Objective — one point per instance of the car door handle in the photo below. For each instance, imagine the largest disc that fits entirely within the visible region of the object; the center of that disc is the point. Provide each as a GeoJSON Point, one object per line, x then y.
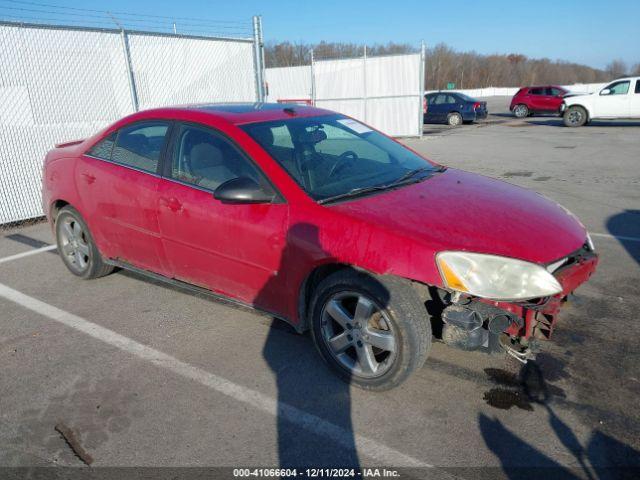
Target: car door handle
{"type": "Point", "coordinates": [172, 204]}
{"type": "Point", "coordinates": [88, 178]}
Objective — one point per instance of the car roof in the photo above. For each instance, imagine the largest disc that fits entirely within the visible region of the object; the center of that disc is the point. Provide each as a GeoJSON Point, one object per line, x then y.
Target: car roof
{"type": "Point", "coordinates": [242, 113]}
{"type": "Point", "coordinates": [546, 86]}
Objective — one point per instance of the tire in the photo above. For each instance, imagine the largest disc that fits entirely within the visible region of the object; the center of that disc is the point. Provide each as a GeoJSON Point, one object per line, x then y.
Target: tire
{"type": "Point", "coordinates": [454, 119]}
{"type": "Point", "coordinates": [382, 334]}
{"type": "Point", "coordinates": [575, 116]}
{"type": "Point", "coordinates": [77, 249]}
{"type": "Point", "coordinates": [521, 111]}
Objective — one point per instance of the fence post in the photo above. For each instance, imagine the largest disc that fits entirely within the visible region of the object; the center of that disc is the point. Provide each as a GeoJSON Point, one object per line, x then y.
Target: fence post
{"type": "Point", "coordinates": [364, 82]}
{"type": "Point", "coordinates": [313, 81]}
{"type": "Point", "coordinates": [127, 58]}
{"type": "Point", "coordinates": [258, 57]}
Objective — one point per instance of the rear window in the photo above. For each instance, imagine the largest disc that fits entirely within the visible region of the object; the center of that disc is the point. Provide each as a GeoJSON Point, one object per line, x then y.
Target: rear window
{"type": "Point", "coordinates": [103, 148]}
{"type": "Point", "coordinates": [140, 145]}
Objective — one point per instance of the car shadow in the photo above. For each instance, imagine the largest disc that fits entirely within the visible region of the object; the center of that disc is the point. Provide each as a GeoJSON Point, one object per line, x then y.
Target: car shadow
{"type": "Point", "coordinates": [625, 227]}
{"type": "Point", "coordinates": [602, 457]}
{"type": "Point", "coordinates": [303, 381]}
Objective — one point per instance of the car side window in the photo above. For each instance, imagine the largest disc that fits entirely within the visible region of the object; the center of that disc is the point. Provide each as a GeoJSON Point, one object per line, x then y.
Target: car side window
{"type": "Point", "coordinates": [104, 147]}
{"type": "Point", "coordinates": [206, 159]}
{"type": "Point", "coordinates": [440, 100]}
{"type": "Point", "coordinates": [451, 99]}
{"type": "Point", "coordinates": [140, 145]}
{"type": "Point", "coordinates": [555, 92]}
{"type": "Point", "coordinates": [536, 91]}
{"type": "Point", "coordinates": [619, 88]}
{"type": "Point", "coordinates": [431, 99]}
{"type": "Point", "coordinates": [637, 86]}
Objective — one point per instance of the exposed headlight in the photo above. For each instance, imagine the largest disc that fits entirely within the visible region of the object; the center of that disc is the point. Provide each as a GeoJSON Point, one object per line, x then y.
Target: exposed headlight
{"type": "Point", "coordinates": [592, 247]}
{"type": "Point", "coordinates": [496, 278]}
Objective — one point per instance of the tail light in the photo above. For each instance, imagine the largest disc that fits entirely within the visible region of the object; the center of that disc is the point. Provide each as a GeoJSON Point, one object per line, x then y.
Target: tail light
{"type": "Point", "coordinates": [477, 105]}
{"type": "Point", "coordinates": [424, 105]}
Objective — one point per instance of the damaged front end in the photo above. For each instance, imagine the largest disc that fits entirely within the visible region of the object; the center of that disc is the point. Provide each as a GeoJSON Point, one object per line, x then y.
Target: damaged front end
{"type": "Point", "coordinates": [470, 322]}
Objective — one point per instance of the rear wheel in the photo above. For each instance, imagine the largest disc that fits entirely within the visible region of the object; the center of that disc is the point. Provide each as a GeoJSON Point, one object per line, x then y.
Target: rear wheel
{"type": "Point", "coordinates": [454, 119]}
{"type": "Point", "coordinates": [575, 116]}
{"type": "Point", "coordinates": [521, 111]}
{"type": "Point", "coordinates": [76, 246]}
{"type": "Point", "coordinates": [373, 331]}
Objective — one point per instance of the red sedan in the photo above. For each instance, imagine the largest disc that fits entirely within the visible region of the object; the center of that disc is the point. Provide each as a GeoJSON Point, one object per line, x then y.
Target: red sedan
{"type": "Point", "coordinates": [537, 100]}
{"type": "Point", "coordinates": [323, 222]}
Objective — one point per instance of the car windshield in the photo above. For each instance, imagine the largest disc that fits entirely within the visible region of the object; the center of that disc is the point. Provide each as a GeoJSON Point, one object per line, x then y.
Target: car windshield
{"type": "Point", "coordinates": [333, 156]}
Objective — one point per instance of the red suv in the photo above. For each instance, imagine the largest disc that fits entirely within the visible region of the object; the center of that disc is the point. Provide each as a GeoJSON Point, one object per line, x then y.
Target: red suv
{"type": "Point", "coordinates": [531, 100]}
{"type": "Point", "coordinates": [320, 221]}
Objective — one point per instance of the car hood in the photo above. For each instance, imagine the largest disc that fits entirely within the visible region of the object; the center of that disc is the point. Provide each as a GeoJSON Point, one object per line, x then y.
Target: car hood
{"type": "Point", "coordinates": [575, 94]}
{"type": "Point", "coordinates": [457, 210]}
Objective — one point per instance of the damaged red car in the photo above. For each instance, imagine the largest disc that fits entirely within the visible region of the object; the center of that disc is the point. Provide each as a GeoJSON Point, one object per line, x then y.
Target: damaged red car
{"type": "Point", "coordinates": [321, 221]}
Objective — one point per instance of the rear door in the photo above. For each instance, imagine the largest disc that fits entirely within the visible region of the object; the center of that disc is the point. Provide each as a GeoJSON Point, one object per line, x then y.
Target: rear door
{"type": "Point", "coordinates": [118, 181]}
{"type": "Point", "coordinates": [616, 103]}
{"type": "Point", "coordinates": [439, 107]}
{"type": "Point", "coordinates": [232, 249]}
{"type": "Point", "coordinates": [430, 114]}
{"type": "Point", "coordinates": [536, 99]}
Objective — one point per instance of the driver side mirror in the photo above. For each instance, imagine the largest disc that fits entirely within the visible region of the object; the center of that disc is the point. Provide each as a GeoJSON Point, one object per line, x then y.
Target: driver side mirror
{"type": "Point", "coordinates": [606, 91]}
{"type": "Point", "coordinates": [243, 190]}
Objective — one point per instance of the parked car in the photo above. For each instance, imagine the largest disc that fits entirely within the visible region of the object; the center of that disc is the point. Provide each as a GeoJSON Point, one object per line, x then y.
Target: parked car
{"type": "Point", "coordinates": [529, 101]}
{"type": "Point", "coordinates": [619, 99]}
{"type": "Point", "coordinates": [320, 221]}
{"type": "Point", "coordinates": [452, 108]}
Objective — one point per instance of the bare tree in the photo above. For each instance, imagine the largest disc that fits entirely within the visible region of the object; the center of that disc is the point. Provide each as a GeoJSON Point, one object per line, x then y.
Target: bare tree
{"type": "Point", "coordinates": [445, 65]}
{"type": "Point", "coordinates": [617, 68]}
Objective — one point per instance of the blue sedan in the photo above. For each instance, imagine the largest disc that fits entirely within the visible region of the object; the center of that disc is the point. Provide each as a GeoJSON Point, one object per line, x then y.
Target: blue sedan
{"type": "Point", "coordinates": [453, 108]}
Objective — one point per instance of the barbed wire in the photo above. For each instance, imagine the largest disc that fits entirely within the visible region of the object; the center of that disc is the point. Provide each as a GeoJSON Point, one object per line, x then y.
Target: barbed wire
{"type": "Point", "coordinates": [22, 11]}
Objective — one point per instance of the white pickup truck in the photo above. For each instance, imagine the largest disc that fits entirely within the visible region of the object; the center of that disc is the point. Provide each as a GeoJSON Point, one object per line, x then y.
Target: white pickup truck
{"type": "Point", "coordinates": [619, 99]}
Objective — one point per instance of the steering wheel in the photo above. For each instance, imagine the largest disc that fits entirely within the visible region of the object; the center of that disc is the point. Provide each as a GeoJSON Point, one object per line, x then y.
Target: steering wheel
{"type": "Point", "coordinates": [343, 159]}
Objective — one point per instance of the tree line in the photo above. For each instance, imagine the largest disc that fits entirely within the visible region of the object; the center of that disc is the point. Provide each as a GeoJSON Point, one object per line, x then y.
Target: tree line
{"type": "Point", "coordinates": [465, 69]}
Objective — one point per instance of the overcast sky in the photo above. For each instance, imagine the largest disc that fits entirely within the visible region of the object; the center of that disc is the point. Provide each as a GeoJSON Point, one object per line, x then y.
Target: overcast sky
{"type": "Point", "coordinates": [587, 31]}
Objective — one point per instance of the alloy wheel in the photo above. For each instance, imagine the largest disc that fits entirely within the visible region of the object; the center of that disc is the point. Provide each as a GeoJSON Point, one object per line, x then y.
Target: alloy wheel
{"type": "Point", "coordinates": [520, 111]}
{"type": "Point", "coordinates": [73, 244]}
{"type": "Point", "coordinates": [359, 334]}
{"type": "Point", "coordinates": [574, 117]}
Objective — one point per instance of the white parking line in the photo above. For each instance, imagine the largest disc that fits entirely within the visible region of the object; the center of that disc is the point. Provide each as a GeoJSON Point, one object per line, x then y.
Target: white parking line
{"type": "Point", "coordinates": [617, 237]}
{"type": "Point", "coordinates": [371, 448]}
{"type": "Point", "coordinates": [27, 254]}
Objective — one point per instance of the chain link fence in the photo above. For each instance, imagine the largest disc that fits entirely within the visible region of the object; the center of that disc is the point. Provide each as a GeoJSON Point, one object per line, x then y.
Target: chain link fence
{"type": "Point", "coordinates": [385, 91]}
{"type": "Point", "coordinates": [64, 83]}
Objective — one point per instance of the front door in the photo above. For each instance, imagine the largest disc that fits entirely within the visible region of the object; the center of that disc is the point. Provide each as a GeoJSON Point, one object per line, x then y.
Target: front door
{"type": "Point", "coordinates": [232, 249]}
{"type": "Point", "coordinates": [634, 110]}
{"type": "Point", "coordinates": [118, 182]}
{"type": "Point", "coordinates": [615, 103]}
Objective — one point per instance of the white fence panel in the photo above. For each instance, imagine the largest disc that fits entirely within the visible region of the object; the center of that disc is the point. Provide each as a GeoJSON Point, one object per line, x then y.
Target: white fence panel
{"type": "Point", "coordinates": [385, 92]}
{"type": "Point", "coordinates": [289, 83]}
{"type": "Point", "coordinates": [177, 70]}
{"type": "Point", "coordinates": [55, 85]}
{"type": "Point", "coordinates": [59, 84]}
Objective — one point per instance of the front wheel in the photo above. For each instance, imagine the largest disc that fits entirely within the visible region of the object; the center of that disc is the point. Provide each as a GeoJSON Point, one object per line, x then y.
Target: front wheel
{"type": "Point", "coordinates": [575, 116]}
{"type": "Point", "coordinates": [373, 331]}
